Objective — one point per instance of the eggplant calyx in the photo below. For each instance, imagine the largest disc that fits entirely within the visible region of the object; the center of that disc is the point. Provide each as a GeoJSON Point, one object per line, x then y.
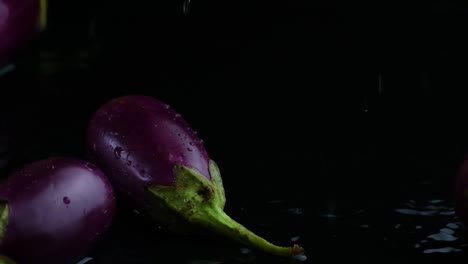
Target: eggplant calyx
{"type": "Point", "coordinates": [4, 210]}
{"type": "Point", "coordinates": [200, 202]}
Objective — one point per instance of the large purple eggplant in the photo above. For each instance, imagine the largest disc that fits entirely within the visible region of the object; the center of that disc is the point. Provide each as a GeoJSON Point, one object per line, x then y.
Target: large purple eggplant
{"type": "Point", "coordinates": [20, 22]}
{"type": "Point", "coordinates": [54, 211]}
{"type": "Point", "coordinates": [155, 160]}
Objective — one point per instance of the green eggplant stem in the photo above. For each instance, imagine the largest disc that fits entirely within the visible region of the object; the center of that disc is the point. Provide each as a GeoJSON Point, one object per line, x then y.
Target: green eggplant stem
{"type": "Point", "coordinates": [219, 222]}
{"type": "Point", "coordinates": [6, 260]}
{"type": "Point", "coordinates": [4, 209]}
{"type": "Point", "coordinates": [200, 202]}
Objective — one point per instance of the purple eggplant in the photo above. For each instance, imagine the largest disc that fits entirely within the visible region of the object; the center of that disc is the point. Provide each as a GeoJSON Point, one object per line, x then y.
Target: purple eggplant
{"type": "Point", "coordinates": [20, 22]}
{"type": "Point", "coordinates": [54, 211]}
{"type": "Point", "coordinates": [156, 161]}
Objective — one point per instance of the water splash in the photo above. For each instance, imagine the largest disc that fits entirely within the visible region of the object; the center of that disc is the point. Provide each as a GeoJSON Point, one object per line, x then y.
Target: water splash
{"type": "Point", "coordinates": [186, 7]}
{"type": "Point", "coordinates": [442, 250]}
{"type": "Point", "coordinates": [85, 260]}
{"type": "Point", "coordinates": [8, 68]}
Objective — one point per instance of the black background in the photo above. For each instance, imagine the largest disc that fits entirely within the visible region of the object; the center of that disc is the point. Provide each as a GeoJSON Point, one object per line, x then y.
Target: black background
{"type": "Point", "coordinates": [327, 106]}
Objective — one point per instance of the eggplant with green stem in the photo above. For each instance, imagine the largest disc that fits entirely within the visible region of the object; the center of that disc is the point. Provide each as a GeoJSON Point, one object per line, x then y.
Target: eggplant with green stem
{"type": "Point", "coordinates": [155, 160]}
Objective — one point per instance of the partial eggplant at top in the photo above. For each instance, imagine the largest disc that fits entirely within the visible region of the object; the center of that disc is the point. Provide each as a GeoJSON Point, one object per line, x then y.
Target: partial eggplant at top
{"type": "Point", "coordinates": [20, 22]}
{"type": "Point", "coordinates": [156, 161]}
{"type": "Point", "coordinates": [54, 211]}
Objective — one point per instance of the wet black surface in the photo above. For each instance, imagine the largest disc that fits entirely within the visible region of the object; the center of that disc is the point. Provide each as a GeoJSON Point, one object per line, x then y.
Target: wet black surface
{"type": "Point", "coordinates": [335, 128]}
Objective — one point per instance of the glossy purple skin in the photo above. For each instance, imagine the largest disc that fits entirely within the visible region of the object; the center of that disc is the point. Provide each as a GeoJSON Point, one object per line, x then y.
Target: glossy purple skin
{"type": "Point", "coordinates": [18, 25]}
{"type": "Point", "coordinates": [59, 208]}
{"type": "Point", "coordinates": [137, 141]}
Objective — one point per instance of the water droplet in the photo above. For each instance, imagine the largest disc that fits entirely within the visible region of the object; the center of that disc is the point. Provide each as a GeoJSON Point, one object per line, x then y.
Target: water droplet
{"type": "Point", "coordinates": [177, 115]}
{"type": "Point", "coordinates": [129, 162]}
{"type": "Point", "coordinates": [66, 200]}
{"type": "Point", "coordinates": [189, 149]}
{"type": "Point", "coordinates": [167, 106]}
{"type": "Point", "coordinates": [186, 7]}
{"type": "Point", "coordinates": [300, 257]}
{"type": "Point", "coordinates": [296, 211]}
{"type": "Point", "coordinates": [88, 166]}
{"type": "Point", "coordinates": [245, 251]}
{"type": "Point", "coordinates": [296, 238]}
{"type": "Point", "coordinates": [191, 143]}
{"type": "Point", "coordinates": [118, 152]}
{"type": "Point", "coordinates": [85, 260]}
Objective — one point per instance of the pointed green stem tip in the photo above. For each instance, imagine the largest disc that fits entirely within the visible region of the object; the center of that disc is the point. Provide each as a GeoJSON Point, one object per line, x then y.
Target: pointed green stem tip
{"type": "Point", "coordinates": [200, 201]}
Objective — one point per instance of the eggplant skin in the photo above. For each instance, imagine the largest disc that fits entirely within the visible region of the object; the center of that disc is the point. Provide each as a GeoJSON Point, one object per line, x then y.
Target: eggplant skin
{"type": "Point", "coordinates": [138, 140]}
{"type": "Point", "coordinates": [20, 22]}
{"type": "Point", "coordinates": [58, 209]}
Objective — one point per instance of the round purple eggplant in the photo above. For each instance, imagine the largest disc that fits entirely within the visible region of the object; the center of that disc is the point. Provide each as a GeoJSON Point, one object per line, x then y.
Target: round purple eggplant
{"type": "Point", "coordinates": [20, 22]}
{"type": "Point", "coordinates": [156, 161]}
{"type": "Point", "coordinates": [54, 211]}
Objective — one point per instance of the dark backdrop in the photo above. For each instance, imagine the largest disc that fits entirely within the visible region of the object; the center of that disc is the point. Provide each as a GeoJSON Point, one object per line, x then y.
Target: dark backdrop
{"type": "Point", "coordinates": [331, 108]}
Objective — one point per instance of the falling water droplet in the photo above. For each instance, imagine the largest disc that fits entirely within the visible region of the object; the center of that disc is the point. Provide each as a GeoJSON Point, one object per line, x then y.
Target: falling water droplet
{"type": "Point", "coordinates": [191, 143]}
{"type": "Point", "coordinates": [189, 149]}
{"type": "Point", "coordinates": [186, 7]}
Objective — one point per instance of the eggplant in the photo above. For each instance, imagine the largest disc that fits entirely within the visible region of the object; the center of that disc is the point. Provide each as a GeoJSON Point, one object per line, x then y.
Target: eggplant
{"type": "Point", "coordinates": [20, 22]}
{"type": "Point", "coordinates": [54, 210]}
{"type": "Point", "coordinates": [157, 163]}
